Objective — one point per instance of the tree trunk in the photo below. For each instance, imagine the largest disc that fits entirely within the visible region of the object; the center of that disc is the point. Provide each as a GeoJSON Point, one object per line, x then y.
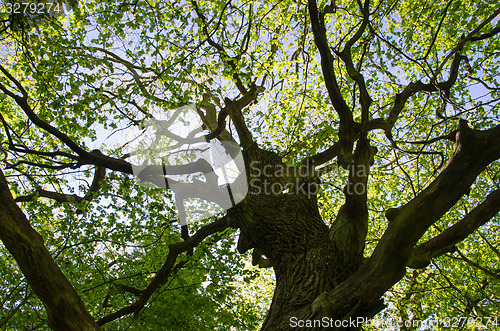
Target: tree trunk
{"type": "Point", "coordinates": [288, 229]}
{"type": "Point", "coordinates": [290, 233]}
{"type": "Point", "coordinates": [320, 272]}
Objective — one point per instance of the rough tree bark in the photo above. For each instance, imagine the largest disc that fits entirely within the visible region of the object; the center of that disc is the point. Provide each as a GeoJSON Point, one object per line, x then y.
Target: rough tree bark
{"type": "Point", "coordinates": [320, 272]}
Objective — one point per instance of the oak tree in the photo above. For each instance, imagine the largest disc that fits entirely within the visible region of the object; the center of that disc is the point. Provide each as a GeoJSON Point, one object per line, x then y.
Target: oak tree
{"type": "Point", "coordinates": [369, 137]}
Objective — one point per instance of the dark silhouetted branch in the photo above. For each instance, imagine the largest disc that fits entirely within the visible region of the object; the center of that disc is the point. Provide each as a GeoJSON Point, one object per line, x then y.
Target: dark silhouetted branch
{"type": "Point", "coordinates": [447, 239]}
{"type": "Point", "coordinates": [168, 268]}
{"type": "Point", "coordinates": [347, 129]}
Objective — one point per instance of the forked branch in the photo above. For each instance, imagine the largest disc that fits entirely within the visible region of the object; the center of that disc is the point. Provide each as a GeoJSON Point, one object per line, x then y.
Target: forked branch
{"type": "Point", "coordinates": [475, 151]}
{"type": "Point", "coordinates": [446, 240]}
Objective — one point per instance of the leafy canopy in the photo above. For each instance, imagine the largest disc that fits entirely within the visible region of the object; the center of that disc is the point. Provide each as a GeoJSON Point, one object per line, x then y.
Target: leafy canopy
{"type": "Point", "coordinates": [101, 67]}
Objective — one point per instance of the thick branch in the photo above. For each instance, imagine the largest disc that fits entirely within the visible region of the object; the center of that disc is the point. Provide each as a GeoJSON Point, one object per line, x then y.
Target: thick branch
{"type": "Point", "coordinates": [15, 81]}
{"type": "Point", "coordinates": [209, 118]}
{"type": "Point", "coordinates": [347, 128]}
{"type": "Point", "coordinates": [355, 75]}
{"type": "Point", "coordinates": [325, 156]}
{"type": "Point", "coordinates": [350, 227]}
{"type": "Point", "coordinates": [446, 240]}
{"type": "Point", "coordinates": [487, 35]}
{"type": "Point", "coordinates": [475, 151]}
{"type": "Point", "coordinates": [65, 309]}
{"type": "Point", "coordinates": [233, 109]}
{"type": "Point", "coordinates": [56, 196]}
